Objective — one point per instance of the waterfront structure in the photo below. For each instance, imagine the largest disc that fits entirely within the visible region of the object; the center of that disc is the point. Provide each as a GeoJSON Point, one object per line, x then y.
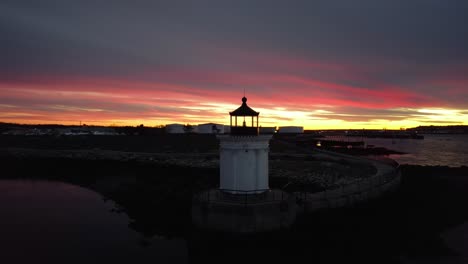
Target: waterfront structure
{"type": "Point", "coordinates": [267, 130]}
{"type": "Point", "coordinates": [210, 128]}
{"type": "Point", "coordinates": [244, 153]}
{"type": "Point", "coordinates": [291, 130]}
{"type": "Point", "coordinates": [175, 129]}
{"type": "Point", "coordinates": [243, 202]}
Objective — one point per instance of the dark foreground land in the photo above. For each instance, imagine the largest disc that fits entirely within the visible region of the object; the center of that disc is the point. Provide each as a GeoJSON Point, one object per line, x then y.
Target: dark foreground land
{"type": "Point", "coordinates": [404, 227]}
{"type": "Point", "coordinates": [174, 143]}
{"type": "Point", "coordinates": [158, 201]}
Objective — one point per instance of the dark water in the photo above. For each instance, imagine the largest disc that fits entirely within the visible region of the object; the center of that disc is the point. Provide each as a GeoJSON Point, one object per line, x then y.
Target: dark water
{"type": "Point", "coordinates": [433, 150]}
{"type": "Point", "coordinates": [53, 222]}
{"type": "Point", "coordinates": [443, 150]}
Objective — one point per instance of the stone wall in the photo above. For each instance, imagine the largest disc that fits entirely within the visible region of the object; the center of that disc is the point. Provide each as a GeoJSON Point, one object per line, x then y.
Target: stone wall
{"type": "Point", "coordinates": [351, 194]}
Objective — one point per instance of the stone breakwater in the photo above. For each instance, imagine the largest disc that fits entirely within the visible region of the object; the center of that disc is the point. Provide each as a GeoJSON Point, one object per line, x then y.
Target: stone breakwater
{"type": "Point", "coordinates": [386, 178]}
{"type": "Point", "coordinates": [196, 160]}
{"type": "Point", "coordinates": [267, 211]}
{"type": "Point", "coordinates": [318, 180]}
{"type": "Point", "coordinates": [309, 172]}
{"type": "Point", "coordinates": [352, 193]}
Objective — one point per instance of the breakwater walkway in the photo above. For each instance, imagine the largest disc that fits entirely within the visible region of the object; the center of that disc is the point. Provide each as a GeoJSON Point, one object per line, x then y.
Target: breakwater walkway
{"type": "Point", "coordinates": [277, 209]}
{"type": "Point", "coordinates": [387, 178]}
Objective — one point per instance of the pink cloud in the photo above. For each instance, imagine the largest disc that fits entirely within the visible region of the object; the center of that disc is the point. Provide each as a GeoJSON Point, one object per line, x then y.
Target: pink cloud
{"type": "Point", "coordinates": [181, 94]}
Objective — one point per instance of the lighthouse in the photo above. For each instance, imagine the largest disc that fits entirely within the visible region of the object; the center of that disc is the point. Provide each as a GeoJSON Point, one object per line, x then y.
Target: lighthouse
{"type": "Point", "coordinates": [244, 154]}
{"type": "Point", "coordinates": [243, 202]}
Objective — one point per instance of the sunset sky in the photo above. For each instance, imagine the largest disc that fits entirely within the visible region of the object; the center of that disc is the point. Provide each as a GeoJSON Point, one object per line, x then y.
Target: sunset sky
{"type": "Point", "coordinates": [318, 64]}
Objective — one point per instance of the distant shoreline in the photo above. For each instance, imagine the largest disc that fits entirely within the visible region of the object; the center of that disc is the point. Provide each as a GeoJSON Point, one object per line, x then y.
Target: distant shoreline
{"type": "Point", "coordinates": [160, 129]}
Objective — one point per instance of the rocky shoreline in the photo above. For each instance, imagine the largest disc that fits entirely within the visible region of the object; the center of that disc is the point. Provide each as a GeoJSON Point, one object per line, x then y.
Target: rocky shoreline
{"type": "Point", "coordinates": [315, 171]}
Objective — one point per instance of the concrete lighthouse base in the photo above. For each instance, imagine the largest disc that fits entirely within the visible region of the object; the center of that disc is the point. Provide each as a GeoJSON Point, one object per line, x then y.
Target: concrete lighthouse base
{"type": "Point", "coordinates": [222, 211]}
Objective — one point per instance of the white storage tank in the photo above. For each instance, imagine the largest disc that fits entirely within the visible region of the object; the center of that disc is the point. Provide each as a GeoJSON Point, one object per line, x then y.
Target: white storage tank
{"type": "Point", "coordinates": [175, 129]}
{"type": "Point", "coordinates": [267, 130]}
{"type": "Point", "coordinates": [291, 130]}
{"type": "Point", "coordinates": [210, 128]}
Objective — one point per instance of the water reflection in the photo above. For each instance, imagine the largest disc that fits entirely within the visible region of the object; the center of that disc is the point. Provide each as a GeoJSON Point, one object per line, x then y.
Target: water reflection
{"type": "Point", "coordinates": [53, 222]}
{"type": "Point", "coordinates": [443, 150]}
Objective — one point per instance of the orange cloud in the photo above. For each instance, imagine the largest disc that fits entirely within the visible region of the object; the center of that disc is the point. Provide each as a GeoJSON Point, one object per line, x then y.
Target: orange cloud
{"type": "Point", "coordinates": [283, 89]}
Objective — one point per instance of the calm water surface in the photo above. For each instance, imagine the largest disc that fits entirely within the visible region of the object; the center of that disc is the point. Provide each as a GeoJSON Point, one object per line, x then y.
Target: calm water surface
{"type": "Point", "coordinates": [53, 222]}
{"type": "Point", "coordinates": [444, 150]}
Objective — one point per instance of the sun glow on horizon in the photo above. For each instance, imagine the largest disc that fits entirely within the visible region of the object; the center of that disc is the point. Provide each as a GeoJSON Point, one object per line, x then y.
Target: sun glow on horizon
{"type": "Point", "coordinates": [288, 101]}
{"type": "Point", "coordinates": [268, 118]}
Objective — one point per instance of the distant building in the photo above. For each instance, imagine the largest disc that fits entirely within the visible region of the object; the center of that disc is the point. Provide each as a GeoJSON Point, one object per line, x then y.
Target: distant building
{"type": "Point", "coordinates": [210, 128]}
{"type": "Point", "coordinates": [291, 130]}
{"type": "Point", "coordinates": [175, 129]}
{"type": "Point", "coordinates": [267, 130]}
{"type": "Point", "coordinates": [190, 129]}
{"type": "Point", "coordinates": [16, 132]}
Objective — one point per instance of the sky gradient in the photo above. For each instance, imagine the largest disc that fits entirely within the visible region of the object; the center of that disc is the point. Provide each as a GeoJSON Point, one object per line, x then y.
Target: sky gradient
{"type": "Point", "coordinates": [319, 64]}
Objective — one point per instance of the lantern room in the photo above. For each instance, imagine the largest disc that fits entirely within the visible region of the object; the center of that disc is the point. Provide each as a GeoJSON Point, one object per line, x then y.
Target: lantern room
{"type": "Point", "coordinates": [244, 120]}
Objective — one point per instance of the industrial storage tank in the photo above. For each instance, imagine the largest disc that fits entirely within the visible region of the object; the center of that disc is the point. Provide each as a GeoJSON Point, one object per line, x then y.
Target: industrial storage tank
{"type": "Point", "coordinates": [267, 130]}
{"type": "Point", "coordinates": [175, 129]}
{"type": "Point", "coordinates": [210, 128]}
{"type": "Point", "coordinates": [291, 130]}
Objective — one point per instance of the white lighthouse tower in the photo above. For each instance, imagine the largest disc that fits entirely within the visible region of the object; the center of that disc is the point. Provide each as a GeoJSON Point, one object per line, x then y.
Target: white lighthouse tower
{"type": "Point", "coordinates": [244, 154]}
{"type": "Point", "coordinates": [243, 202]}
